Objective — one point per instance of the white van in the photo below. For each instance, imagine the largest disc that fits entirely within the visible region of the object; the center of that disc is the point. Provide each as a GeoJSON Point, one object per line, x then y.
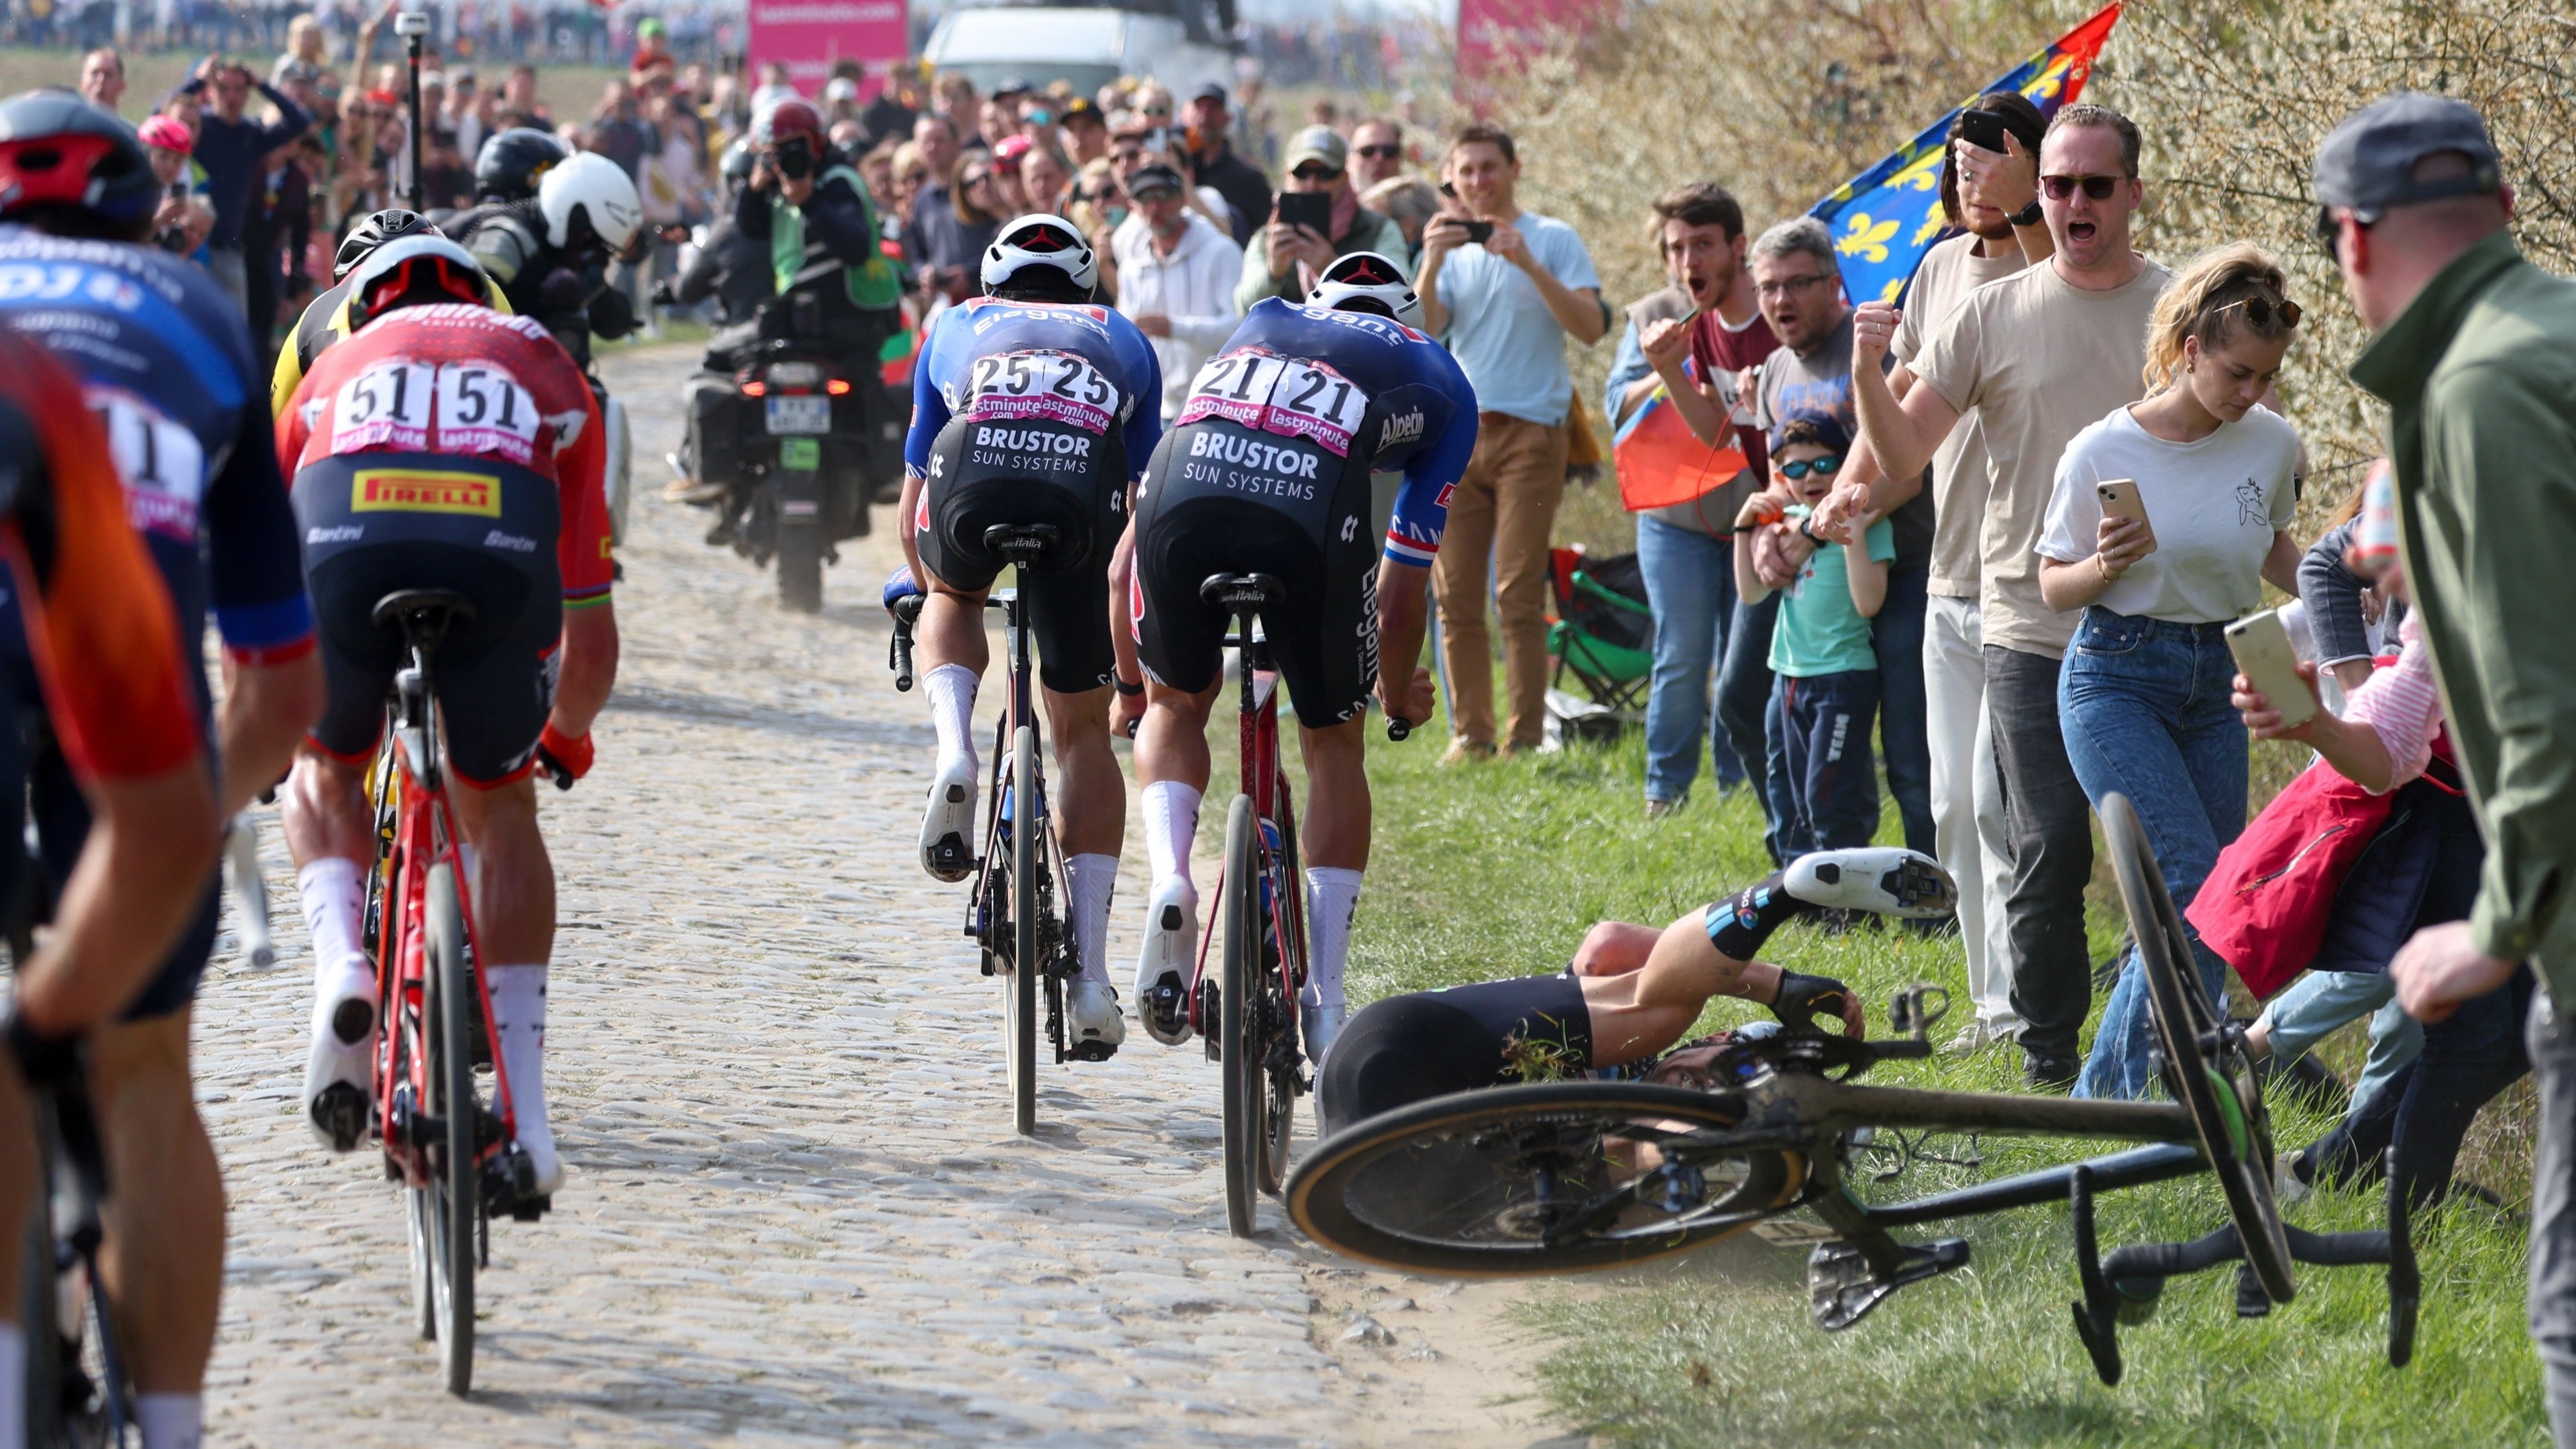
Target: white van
{"type": "Point", "coordinates": [1088, 47]}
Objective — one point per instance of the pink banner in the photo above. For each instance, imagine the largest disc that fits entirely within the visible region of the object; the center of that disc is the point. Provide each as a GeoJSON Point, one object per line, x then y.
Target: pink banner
{"type": "Point", "coordinates": [1502, 32]}
{"type": "Point", "coordinates": [807, 36]}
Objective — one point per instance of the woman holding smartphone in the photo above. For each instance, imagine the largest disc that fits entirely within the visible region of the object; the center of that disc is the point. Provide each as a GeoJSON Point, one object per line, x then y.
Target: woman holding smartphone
{"type": "Point", "coordinates": [2167, 518]}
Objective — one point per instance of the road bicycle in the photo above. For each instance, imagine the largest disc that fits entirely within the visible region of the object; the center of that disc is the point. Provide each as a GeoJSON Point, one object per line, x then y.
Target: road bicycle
{"type": "Point", "coordinates": [1247, 1014]}
{"type": "Point", "coordinates": [1571, 1176]}
{"type": "Point", "coordinates": [456, 1155]}
{"type": "Point", "coordinates": [1012, 915]}
{"type": "Point", "coordinates": [77, 1392]}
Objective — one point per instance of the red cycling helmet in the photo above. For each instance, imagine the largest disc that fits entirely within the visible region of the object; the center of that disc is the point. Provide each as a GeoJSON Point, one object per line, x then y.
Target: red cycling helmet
{"type": "Point", "coordinates": [422, 268]}
{"type": "Point", "coordinates": [57, 149]}
{"type": "Point", "coordinates": [785, 119]}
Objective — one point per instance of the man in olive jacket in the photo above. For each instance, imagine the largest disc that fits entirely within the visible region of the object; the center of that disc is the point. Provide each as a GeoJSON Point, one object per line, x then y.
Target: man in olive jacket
{"type": "Point", "coordinates": [2476, 359]}
{"type": "Point", "coordinates": [1283, 260]}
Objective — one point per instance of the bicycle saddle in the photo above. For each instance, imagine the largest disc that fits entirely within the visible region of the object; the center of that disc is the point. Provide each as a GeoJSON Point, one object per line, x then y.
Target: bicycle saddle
{"type": "Point", "coordinates": [1022, 542]}
{"type": "Point", "coordinates": [1242, 591]}
{"type": "Point", "coordinates": [429, 609]}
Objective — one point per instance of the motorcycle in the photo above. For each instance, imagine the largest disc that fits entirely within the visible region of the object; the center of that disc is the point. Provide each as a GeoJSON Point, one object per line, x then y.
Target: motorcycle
{"type": "Point", "coordinates": [798, 444]}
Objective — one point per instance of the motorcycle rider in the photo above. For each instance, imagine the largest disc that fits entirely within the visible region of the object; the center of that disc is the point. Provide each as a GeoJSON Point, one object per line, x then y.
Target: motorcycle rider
{"type": "Point", "coordinates": [733, 269]}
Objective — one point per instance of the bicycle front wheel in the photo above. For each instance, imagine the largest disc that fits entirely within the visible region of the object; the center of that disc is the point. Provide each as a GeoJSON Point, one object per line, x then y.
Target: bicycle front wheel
{"type": "Point", "coordinates": [455, 1193]}
{"type": "Point", "coordinates": [1020, 982]}
{"type": "Point", "coordinates": [1239, 1011]}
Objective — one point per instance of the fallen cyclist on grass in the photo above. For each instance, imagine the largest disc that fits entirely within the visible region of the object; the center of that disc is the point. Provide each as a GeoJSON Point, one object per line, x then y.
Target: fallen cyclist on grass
{"type": "Point", "coordinates": [1630, 993]}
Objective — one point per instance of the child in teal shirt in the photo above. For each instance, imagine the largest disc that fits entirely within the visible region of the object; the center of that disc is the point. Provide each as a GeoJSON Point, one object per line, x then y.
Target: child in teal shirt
{"type": "Point", "coordinates": [1823, 666]}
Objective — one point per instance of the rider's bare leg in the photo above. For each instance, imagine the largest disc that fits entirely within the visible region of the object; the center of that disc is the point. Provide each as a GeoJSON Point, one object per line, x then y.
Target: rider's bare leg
{"type": "Point", "coordinates": [1090, 818]}
{"type": "Point", "coordinates": [1336, 829]}
{"type": "Point", "coordinates": [163, 1255]}
{"type": "Point", "coordinates": [1614, 948]}
{"type": "Point", "coordinates": [1172, 772]}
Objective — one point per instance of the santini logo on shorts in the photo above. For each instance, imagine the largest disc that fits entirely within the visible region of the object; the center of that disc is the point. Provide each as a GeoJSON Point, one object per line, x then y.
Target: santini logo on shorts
{"type": "Point", "coordinates": [410, 490]}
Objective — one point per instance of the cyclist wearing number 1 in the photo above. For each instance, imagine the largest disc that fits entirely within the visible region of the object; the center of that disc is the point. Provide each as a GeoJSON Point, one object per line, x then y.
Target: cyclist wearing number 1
{"type": "Point", "coordinates": [165, 363]}
{"type": "Point", "coordinates": [1266, 470]}
{"type": "Point", "coordinates": [1031, 406]}
{"type": "Point", "coordinates": [445, 446]}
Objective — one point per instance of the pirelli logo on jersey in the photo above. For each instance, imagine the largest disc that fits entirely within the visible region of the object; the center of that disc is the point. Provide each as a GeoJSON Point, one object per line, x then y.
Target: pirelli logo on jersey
{"type": "Point", "coordinates": [415, 490]}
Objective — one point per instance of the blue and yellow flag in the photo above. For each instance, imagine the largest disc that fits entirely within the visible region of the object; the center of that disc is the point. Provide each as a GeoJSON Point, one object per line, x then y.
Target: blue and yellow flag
{"type": "Point", "coordinates": [1887, 217]}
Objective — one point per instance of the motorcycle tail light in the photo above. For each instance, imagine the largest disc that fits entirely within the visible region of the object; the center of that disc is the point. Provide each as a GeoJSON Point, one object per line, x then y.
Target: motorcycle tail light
{"type": "Point", "coordinates": [794, 374]}
{"type": "Point", "coordinates": [754, 388]}
{"type": "Point", "coordinates": [836, 387]}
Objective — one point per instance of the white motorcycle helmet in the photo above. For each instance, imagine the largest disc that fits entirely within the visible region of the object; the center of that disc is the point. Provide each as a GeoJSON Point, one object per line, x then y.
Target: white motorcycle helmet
{"type": "Point", "coordinates": [591, 182]}
{"type": "Point", "coordinates": [1367, 282]}
{"type": "Point", "coordinates": [1040, 239]}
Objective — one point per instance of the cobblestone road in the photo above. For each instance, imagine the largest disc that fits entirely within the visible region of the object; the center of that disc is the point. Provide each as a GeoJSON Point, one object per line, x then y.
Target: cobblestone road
{"type": "Point", "coordinates": [796, 1213]}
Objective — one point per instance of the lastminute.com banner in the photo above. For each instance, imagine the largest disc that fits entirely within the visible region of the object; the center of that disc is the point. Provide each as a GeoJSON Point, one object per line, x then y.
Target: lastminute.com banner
{"type": "Point", "coordinates": [809, 36]}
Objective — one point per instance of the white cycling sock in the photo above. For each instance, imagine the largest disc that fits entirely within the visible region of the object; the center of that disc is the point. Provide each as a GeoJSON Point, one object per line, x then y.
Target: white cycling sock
{"type": "Point", "coordinates": [13, 1386]}
{"type": "Point", "coordinates": [1332, 898]}
{"type": "Point", "coordinates": [1089, 879]}
{"type": "Point", "coordinates": [951, 688]}
{"type": "Point", "coordinates": [333, 891]}
{"type": "Point", "coordinates": [170, 1421]}
{"type": "Point", "coordinates": [519, 1020]}
{"type": "Point", "coordinates": [1171, 819]}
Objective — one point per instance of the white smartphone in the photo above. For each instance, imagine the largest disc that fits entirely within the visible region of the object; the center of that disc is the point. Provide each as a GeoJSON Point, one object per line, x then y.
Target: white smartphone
{"type": "Point", "coordinates": [2261, 644]}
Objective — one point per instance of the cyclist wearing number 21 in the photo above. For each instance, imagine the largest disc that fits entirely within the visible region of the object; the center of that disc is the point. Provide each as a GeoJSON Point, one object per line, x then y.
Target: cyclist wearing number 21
{"type": "Point", "coordinates": [165, 364]}
{"type": "Point", "coordinates": [1031, 407]}
{"type": "Point", "coordinates": [446, 446]}
{"type": "Point", "coordinates": [1266, 470]}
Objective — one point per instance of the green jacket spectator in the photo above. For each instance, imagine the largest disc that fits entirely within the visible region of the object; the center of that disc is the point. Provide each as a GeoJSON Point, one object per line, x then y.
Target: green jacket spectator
{"type": "Point", "coordinates": [1369, 232]}
{"type": "Point", "coordinates": [1318, 167]}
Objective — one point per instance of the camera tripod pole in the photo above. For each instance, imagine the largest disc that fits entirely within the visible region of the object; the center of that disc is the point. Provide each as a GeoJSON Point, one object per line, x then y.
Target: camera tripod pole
{"type": "Point", "coordinates": [413, 26]}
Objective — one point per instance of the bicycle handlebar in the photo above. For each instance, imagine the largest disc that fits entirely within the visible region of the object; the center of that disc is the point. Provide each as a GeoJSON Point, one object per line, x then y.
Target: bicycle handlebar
{"type": "Point", "coordinates": [554, 769]}
{"type": "Point", "coordinates": [1398, 727]}
{"type": "Point", "coordinates": [899, 652]}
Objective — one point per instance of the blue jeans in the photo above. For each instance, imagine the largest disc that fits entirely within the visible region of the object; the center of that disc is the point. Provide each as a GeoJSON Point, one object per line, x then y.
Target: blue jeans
{"type": "Point", "coordinates": [1833, 781]}
{"type": "Point", "coordinates": [1690, 582]}
{"type": "Point", "coordinates": [1904, 717]}
{"type": "Point", "coordinates": [1748, 711]}
{"type": "Point", "coordinates": [2321, 1002]}
{"type": "Point", "coordinates": [2143, 705]}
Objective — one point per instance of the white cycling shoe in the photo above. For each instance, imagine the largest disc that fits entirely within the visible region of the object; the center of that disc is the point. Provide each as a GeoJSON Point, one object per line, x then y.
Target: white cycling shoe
{"type": "Point", "coordinates": [1318, 1025]}
{"type": "Point", "coordinates": [1098, 1025]}
{"type": "Point", "coordinates": [1887, 879]}
{"type": "Point", "coordinates": [1163, 966]}
{"type": "Point", "coordinates": [948, 824]}
{"type": "Point", "coordinates": [340, 1072]}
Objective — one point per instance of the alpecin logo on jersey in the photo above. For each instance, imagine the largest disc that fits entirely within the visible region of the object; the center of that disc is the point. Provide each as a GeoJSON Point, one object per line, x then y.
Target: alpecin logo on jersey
{"type": "Point", "coordinates": [1401, 430]}
{"type": "Point", "coordinates": [414, 490]}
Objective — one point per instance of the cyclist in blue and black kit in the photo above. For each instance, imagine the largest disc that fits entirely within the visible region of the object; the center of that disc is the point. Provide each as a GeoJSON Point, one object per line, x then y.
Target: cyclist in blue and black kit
{"type": "Point", "coordinates": [1031, 406]}
{"type": "Point", "coordinates": [1266, 470]}
{"type": "Point", "coordinates": [165, 361]}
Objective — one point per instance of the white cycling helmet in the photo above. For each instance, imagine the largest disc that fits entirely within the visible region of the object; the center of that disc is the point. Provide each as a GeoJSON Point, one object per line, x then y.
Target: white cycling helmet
{"type": "Point", "coordinates": [1044, 240]}
{"type": "Point", "coordinates": [423, 268]}
{"type": "Point", "coordinates": [592, 182]}
{"type": "Point", "coordinates": [1367, 282]}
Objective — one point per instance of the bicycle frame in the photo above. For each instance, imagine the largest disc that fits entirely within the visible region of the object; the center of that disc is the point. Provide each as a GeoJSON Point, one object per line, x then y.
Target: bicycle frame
{"type": "Point", "coordinates": [985, 909]}
{"type": "Point", "coordinates": [1274, 804]}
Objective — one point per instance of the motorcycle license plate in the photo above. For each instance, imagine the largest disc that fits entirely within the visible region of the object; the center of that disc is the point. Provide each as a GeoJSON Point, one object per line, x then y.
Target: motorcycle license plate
{"type": "Point", "coordinates": [800, 415]}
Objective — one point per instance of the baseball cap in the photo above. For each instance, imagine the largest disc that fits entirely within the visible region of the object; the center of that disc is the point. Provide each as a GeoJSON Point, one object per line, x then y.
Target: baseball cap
{"type": "Point", "coordinates": [1153, 176]}
{"type": "Point", "coordinates": [651, 27]}
{"type": "Point", "coordinates": [1007, 154]}
{"type": "Point", "coordinates": [1080, 108]}
{"type": "Point", "coordinates": [2368, 163]}
{"type": "Point", "coordinates": [841, 88]}
{"type": "Point", "coordinates": [1318, 143]}
{"type": "Point", "coordinates": [1209, 92]}
{"type": "Point", "coordinates": [1013, 86]}
{"type": "Point", "coordinates": [166, 133]}
{"type": "Point", "coordinates": [1830, 432]}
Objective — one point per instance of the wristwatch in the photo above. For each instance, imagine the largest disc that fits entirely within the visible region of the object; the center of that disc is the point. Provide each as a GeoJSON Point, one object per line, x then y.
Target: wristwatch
{"type": "Point", "coordinates": [1123, 687]}
{"type": "Point", "coordinates": [2027, 216]}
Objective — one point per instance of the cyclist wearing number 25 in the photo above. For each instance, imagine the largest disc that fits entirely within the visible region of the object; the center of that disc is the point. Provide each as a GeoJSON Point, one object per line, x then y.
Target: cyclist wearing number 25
{"type": "Point", "coordinates": [1031, 407]}
{"type": "Point", "coordinates": [165, 365]}
{"type": "Point", "coordinates": [446, 446]}
{"type": "Point", "coordinates": [1266, 470]}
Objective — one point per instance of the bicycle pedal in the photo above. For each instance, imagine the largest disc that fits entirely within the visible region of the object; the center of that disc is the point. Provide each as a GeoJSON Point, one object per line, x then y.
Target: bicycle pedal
{"type": "Point", "coordinates": [529, 1209]}
{"type": "Point", "coordinates": [1093, 1051]}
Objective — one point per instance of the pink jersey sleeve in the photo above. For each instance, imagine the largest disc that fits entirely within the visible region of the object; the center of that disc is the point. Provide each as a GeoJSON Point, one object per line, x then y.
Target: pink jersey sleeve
{"type": "Point", "coordinates": [2403, 705]}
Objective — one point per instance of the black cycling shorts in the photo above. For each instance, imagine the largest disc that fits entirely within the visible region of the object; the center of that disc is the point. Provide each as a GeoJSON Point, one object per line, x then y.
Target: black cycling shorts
{"type": "Point", "coordinates": [1408, 1049]}
{"type": "Point", "coordinates": [1221, 498]}
{"type": "Point", "coordinates": [1032, 471]}
{"type": "Point", "coordinates": [478, 526]}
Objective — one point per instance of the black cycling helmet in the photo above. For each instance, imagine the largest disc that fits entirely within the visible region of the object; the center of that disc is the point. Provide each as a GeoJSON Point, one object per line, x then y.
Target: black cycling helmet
{"type": "Point", "coordinates": [62, 157]}
{"type": "Point", "coordinates": [511, 163]}
{"type": "Point", "coordinates": [737, 163]}
{"type": "Point", "coordinates": [391, 224]}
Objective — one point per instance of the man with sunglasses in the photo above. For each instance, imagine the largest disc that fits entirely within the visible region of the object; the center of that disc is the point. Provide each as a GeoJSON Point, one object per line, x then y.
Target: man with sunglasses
{"type": "Point", "coordinates": [1284, 258]}
{"type": "Point", "coordinates": [2472, 356]}
{"type": "Point", "coordinates": [2041, 356]}
{"type": "Point", "coordinates": [1377, 152]}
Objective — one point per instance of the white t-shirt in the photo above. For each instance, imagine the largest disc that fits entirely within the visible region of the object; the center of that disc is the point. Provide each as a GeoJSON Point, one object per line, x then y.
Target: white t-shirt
{"type": "Point", "coordinates": [2213, 505]}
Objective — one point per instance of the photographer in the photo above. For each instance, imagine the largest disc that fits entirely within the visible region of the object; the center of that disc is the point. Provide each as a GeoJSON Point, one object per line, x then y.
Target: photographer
{"type": "Point", "coordinates": [811, 209]}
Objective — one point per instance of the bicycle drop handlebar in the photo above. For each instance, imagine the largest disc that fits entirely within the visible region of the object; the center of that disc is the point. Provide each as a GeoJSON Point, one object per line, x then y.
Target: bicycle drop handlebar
{"type": "Point", "coordinates": [906, 611]}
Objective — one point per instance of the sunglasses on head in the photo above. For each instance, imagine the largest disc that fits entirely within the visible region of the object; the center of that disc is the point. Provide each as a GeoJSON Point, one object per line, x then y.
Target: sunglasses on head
{"type": "Point", "coordinates": [1824, 467]}
{"type": "Point", "coordinates": [1380, 153]}
{"type": "Point", "coordinates": [2261, 310]}
{"type": "Point", "coordinates": [2097, 187]}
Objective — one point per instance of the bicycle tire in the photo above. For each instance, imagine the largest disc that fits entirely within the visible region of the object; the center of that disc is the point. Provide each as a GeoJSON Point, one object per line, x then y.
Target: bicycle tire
{"type": "Point", "coordinates": [1020, 995]}
{"type": "Point", "coordinates": [1446, 1186]}
{"type": "Point", "coordinates": [456, 1191]}
{"type": "Point", "coordinates": [2206, 1071]}
{"type": "Point", "coordinates": [1238, 1055]}
{"type": "Point", "coordinates": [1279, 1012]}
{"type": "Point", "coordinates": [39, 1299]}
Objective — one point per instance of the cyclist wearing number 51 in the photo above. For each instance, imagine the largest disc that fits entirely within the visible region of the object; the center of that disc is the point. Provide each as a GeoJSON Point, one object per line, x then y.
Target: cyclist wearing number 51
{"type": "Point", "coordinates": [1266, 470]}
{"type": "Point", "coordinates": [446, 446]}
{"type": "Point", "coordinates": [1030, 407]}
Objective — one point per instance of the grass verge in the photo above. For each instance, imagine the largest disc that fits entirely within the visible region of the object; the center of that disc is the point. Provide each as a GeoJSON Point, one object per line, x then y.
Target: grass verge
{"type": "Point", "coordinates": [1497, 869]}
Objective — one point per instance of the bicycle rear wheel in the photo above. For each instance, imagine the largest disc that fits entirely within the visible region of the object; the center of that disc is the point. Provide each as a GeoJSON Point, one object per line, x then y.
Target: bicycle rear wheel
{"type": "Point", "coordinates": [2206, 1066]}
{"type": "Point", "coordinates": [1560, 1177]}
{"type": "Point", "coordinates": [455, 1191]}
{"type": "Point", "coordinates": [1020, 980]}
{"type": "Point", "coordinates": [1239, 1012]}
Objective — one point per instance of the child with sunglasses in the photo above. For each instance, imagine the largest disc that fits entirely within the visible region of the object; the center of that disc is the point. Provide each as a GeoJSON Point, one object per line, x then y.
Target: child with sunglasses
{"type": "Point", "coordinates": [2143, 696]}
{"type": "Point", "coordinates": [1822, 660]}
